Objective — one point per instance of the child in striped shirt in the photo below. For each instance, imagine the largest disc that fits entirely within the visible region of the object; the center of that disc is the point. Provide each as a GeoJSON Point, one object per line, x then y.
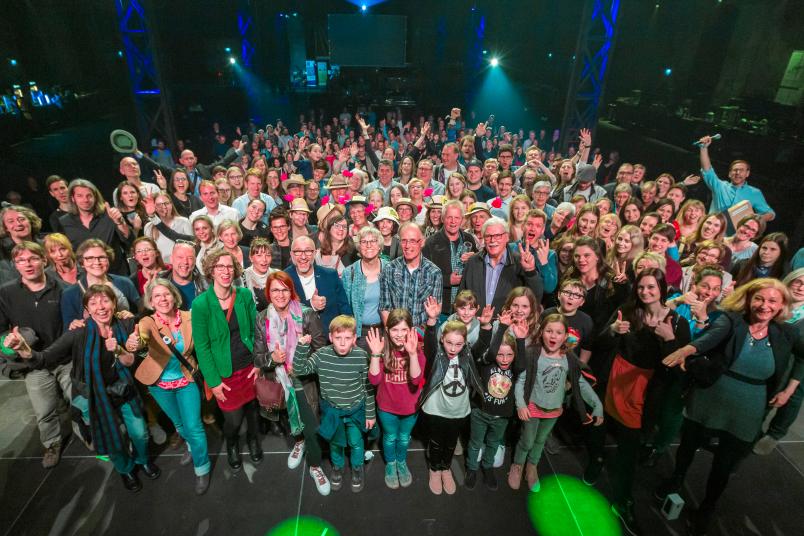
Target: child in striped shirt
{"type": "Point", "coordinates": [347, 398]}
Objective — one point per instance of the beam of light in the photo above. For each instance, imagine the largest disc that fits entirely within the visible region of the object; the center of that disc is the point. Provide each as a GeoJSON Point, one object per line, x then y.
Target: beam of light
{"type": "Point", "coordinates": [232, 60]}
{"type": "Point", "coordinates": [564, 503]}
{"type": "Point", "coordinates": [495, 62]}
{"type": "Point", "coordinates": [497, 94]}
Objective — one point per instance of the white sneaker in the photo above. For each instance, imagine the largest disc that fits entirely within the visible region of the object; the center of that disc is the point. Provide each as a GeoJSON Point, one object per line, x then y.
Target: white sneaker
{"type": "Point", "coordinates": [765, 446]}
{"type": "Point", "coordinates": [499, 456]}
{"type": "Point", "coordinates": [320, 479]}
{"type": "Point", "coordinates": [296, 455]}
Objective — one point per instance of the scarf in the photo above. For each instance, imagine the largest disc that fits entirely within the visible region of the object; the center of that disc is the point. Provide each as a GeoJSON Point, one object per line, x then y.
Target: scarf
{"type": "Point", "coordinates": [104, 418]}
{"type": "Point", "coordinates": [275, 334]}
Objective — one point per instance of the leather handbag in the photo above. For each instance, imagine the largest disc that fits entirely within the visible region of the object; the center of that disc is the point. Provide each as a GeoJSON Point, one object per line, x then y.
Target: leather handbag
{"type": "Point", "coordinates": [270, 393]}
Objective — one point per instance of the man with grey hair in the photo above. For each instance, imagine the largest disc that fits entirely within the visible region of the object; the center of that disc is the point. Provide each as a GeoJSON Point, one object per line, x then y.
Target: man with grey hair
{"type": "Point", "coordinates": [449, 249]}
{"type": "Point", "coordinates": [499, 268]}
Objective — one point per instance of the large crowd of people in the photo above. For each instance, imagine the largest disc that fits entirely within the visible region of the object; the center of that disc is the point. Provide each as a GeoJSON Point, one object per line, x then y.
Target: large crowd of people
{"type": "Point", "coordinates": [339, 283]}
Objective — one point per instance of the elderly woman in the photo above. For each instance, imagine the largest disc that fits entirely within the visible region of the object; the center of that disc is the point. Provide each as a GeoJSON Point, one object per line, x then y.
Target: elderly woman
{"type": "Point", "coordinates": [61, 256]}
{"type": "Point", "coordinates": [19, 224]}
{"type": "Point", "coordinates": [361, 282]}
{"type": "Point", "coordinates": [167, 370]}
{"type": "Point", "coordinates": [278, 329]}
{"type": "Point", "coordinates": [753, 360]}
{"type": "Point", "coordinates": [223, 320]}
{"type": "Point", "coordinates": [106, 395]}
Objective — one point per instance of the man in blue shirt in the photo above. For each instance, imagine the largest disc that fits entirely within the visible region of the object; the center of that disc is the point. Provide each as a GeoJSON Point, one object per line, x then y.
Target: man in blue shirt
{"type": "Point", "coordinates": [727, 194]}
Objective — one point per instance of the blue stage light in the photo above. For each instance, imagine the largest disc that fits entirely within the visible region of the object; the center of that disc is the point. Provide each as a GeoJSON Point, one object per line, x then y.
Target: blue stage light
{"type": "Point", "coordinates": [668, 71]}
{"type": "Point", "coordinates": [232, 60]}
{"type": "Point", "coordinates": [363, 8]}
{"type": "Point", "coordinates": [495, 62]}
{"type": "Point", "coordinates": [13, 62]}
{"type": "Point", "coordinates": [227, 49]}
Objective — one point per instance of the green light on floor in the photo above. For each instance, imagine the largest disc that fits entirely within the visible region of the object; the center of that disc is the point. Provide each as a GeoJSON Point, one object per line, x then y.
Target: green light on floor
{"type": "Point", "coordinates": [565, 506]}
{"type": "Point", "coordinates": [303, 526]}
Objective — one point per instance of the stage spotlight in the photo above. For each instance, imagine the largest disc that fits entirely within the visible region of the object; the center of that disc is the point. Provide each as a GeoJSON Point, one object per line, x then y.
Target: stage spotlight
{"type": "Point", "coordinates": [13, 62]}
{"type": "Point", "coordinates": [119, 53]}
{"type": "Point", "coordinates": [495, 62]}
{"type": "Point", "coordinates": [232, 60]}
{"type": "Point", "coordinates": [363, 8]}
{"type": "Point", "coordinates": [227, 49]}
{"type": "Point", "coordinates": [668, 71]}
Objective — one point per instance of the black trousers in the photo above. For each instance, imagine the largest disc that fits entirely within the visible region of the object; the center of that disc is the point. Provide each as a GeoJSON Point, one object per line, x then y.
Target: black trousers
{"type": "Point", "coordinates": [442, 436]}
{"type": "Point", "coordinates": [728, 455]}
{"type": "Point", "coordinates": [233, 419]}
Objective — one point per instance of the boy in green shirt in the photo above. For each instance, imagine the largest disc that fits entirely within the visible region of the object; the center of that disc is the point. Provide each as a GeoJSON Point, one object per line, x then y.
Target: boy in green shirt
{"type": "Point", "coordinates": [347, 398]}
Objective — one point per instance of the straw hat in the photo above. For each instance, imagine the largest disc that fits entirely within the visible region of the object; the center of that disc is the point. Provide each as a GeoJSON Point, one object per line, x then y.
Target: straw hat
{"type": "Point", "coordinates": [478, 207]}
{"type": "Point", "coordinates": [299, 205]}
{"type": "Point", "coordinates": [325, 211]}
{"type": "Point", "coordinates": [387, 213]}
{"type": "Point", "coordinates": [295, 180]}
{"type": "Point", "coordinates": [337, 181]}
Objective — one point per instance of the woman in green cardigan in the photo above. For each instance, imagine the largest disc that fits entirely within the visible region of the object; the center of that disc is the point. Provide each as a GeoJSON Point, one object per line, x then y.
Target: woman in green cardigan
{"type": "Point", "coordinates": [223, 328]}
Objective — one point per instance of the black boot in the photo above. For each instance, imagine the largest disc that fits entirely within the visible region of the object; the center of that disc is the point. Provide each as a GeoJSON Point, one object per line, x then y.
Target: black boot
{"type": "Point", "coordinates": [131, 482]}
{"type": "Point", "coordinates": [151, 471]}
{"type": "Point", "coordinates": [233, 454]}
{"type": "Point", "coordinates": [254, 449]}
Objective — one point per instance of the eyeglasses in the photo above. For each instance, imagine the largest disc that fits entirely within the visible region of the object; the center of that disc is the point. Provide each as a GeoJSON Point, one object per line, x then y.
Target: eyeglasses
{"type": "Point", "coordinates": [21, 219]}
{"type": "Point", "coordinates": [224, 267]}
{"type": "Point", "coordinates": [139, 251]}
{"type": "Point", "coordinates": [280, 291]}
{"type": "Point", "coordinates": [304, 252]}
{"type": "Point", "coordinates": [341, 226]}
{"type": "Point", "coordinates": [224, 190]}
{"type": "Point", "coordinates": [180, 179]}
{"type": "Point", "coordinates": [570, 294]}
{"type": "Point", "coordinates": [369, 243]}
{"type": "Point", "coordinates": [278, 227]}
{"type": "Point", "coordinates": [494, 237]}
{"type": "Point", "coordinates": [797, 283]}
{"type": "Point", "coordinates": [410, 241]}
{"type": "Point", "coordinates": [164, 204]}
{"type": "Point", "coordinates": [36, 260]}
{"type": "Point", "coordinates": [100, 259]}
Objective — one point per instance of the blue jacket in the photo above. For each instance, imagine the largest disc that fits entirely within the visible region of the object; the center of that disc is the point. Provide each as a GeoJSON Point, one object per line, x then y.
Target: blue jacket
{"type": "Point", "coordinates": [328, 285]}
{"type": "Point", "coordinates": [72, 307]}
{"type": "Point", "coordinates": [354, 285]}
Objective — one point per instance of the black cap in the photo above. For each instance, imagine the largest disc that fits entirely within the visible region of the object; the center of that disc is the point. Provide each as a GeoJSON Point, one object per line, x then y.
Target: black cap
{"type": "Point", "coordinates": [474, 163]}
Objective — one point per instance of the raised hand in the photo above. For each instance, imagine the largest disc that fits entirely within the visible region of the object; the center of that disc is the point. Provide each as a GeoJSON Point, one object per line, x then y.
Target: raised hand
{"type": "Point", "coordinates": [133, 342]}
{"type": "Point", "coordinates": [692, 179]}
{"type": "Point", "coordinates": [526, 259]}
{"type": "Point", "coordinates": [114, 214]}
{"type": "Point", "coordinates": [353, 150]}
{"type": "Point", "coordinates": [432, 307]}
{"type": "Point", "coordinates": [318, 302]}
{"type": "Point", "coordinates": [486, 315]}
{"type": "Point", "coordinates": [362, 123]}
{"type": "Point", "coordinates": [597, 160]}
{"type": "Point", "coordinates": [111, 343]}
{"type": "Point", "coordinates": [343, 155]}
{"type": "Point", "coordinates": [480, 130]}
{"type": "Point", "coordinates": [412, 343]}
{"type": "Point", "coordinates": [426, 129]}
{"type": "Point", "coordinates": [13, 340]}
{"type": "Point", "coordinates": [149, 203]}
{"type": "Point", "coordinates": [160, 179]}
{"type": "Point", "coordinates": [375, 341]}
{"type": "Point", "coordinates": [520, 328]}
{"type": "Point", "coordinates": [454, 114]}
{"type": "Point", "coordinates": [585, 137]}
{"type": "Point", "coordinates": [543, 250]}
{"type": "Point", "coordinates": [279, 355]}
{"type": "Point", "coordinates": [620, 326]}
{"type": "Point", "coordinates": [705, 142]}
{"type": "Point", "coordinates": [506, 317]}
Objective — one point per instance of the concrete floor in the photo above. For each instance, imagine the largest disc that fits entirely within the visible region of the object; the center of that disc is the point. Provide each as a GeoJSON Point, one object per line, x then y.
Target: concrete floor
{"type": "Point", "coordinates": [83, 495]}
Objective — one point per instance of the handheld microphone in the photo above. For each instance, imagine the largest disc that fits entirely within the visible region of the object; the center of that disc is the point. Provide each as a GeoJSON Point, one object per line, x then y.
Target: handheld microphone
{"type": "Point", "coordinates": [713, 136]}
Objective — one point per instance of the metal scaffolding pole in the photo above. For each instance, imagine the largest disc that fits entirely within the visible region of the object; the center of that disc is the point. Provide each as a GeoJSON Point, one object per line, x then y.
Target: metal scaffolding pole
{"type": "Point", "coordinates": [592, 54]}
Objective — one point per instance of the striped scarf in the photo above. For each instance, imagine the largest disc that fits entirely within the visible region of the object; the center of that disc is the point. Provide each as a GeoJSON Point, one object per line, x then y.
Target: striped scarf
{"type": "Point", "coordinates": [104, 418]}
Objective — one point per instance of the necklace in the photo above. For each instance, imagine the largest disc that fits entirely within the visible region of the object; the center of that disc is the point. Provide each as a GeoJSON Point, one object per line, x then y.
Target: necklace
{"type": "Point", "coordinates": [229, 295]}
{"type": "Point", "coordinates": [755, 336]}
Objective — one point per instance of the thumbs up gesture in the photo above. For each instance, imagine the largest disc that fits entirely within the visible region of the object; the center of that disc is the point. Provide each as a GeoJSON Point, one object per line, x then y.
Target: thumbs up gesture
{"type": "Point", "coordinates": [318, 302]}
{"type": "Point", "coordinates": [133, 342]}
{"type": "Point", "coordinates": [16, 342]}
{"type": "Point", "coordinates": [664, 329]}
{"type": "Point", "coordinates": [278, 355]}
{"type": "Point", "coordinates": [620, 326]}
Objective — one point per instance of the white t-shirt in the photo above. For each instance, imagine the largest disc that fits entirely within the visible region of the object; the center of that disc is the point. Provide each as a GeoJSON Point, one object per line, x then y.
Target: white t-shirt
{"type": "Point", "coordinates": [451, 401]}
{"type": "Point", "coordinates": [308, 284]}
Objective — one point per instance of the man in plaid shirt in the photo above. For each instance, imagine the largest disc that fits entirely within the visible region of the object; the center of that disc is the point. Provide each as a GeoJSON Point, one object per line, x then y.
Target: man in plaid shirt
{"type": "Point", "coordinates": [407, 281]}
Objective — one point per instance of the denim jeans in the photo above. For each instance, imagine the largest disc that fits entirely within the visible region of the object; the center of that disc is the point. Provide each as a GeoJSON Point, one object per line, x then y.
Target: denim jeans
{"type": "Point", "coordinates": [46, 388]}
{"type": "Point", "coordinates": [137, 429]}
{"type": "Point", "coordinates": [487, 432]}
{"type": "Point", "coordinates": [396, 431]}
{"type": "Point", "coordinates": [183, 406]}
{"type": "Point", "coordinates": [534, 434]}
{"type": "Point", "coordinates": [354, 438]}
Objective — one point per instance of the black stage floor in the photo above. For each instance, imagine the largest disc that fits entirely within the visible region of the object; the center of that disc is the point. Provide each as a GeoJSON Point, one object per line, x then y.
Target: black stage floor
{"type": "Point", "coordinates": [83, 495]}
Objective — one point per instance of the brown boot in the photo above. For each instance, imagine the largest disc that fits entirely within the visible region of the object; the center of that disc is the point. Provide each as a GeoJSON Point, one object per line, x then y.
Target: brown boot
{"type": "Point", "coordinates": [515, 475]}
{"type": "Point", "coordinates": [435, 482]}
{"type": "Point", "coordinates": [448, 482]}
{"type": "Point", "coordinates": [531, 476]}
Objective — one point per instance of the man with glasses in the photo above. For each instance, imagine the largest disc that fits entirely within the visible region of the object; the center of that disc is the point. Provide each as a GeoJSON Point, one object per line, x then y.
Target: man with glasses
{"type": "Point", "coordinates": [407, 281]}
{"type": "Point", "coordinates": [424, 171]}
{"type": "Point", "coordinates": [318, 287]}
{"type": "Point", "coordinates": [449, 249]}
{"type": "Point", "coordinates": [280, 232]}
{"type": "Point", "coordinates": [625, 175]}
{"type": "Point", "coordinates": [33, 305]}
{"type": "Point", "coordinates": [541, 196]}
{"type": "Point", "coordinates": [212, 205]}
{"type": "Point", "coordinates": [498, 268]}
